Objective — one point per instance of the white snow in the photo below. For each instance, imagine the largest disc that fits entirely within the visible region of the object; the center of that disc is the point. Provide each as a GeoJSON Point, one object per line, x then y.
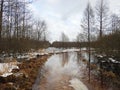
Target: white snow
{"type": "Point", "coordinates": [71, 50]}
{"type": "Point", "coordinates": [77, 84]}
{"type": "Point", "coordinates": [6, 68]}
{"type": "Point", "coordinates": [113, 60]}
{"type": "Point", "coordinates": [6, 74]}
{"type": "Point", "coordinates": [100, 56]}
{"type": "Point", "coordinates": [31, 55]}
{"type": "Point", "coordinates": [23, 57]}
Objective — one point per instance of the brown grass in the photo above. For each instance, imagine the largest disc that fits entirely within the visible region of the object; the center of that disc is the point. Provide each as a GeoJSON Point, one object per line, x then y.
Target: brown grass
{"type": "Point", "coordinates": [29, 70]}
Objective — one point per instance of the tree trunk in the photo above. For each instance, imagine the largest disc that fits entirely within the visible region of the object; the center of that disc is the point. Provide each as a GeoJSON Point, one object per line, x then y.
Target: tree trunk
{"type": "Point", "coordinates": [101, 17]}
{"type": "Point", "coordinates": [1, 16]}
{"type": "Point", "coordinates": [89, 39]}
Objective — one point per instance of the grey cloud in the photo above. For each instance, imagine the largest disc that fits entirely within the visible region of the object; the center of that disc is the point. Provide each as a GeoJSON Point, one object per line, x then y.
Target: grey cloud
{"type": "Point", "coordinates": [64, 15]}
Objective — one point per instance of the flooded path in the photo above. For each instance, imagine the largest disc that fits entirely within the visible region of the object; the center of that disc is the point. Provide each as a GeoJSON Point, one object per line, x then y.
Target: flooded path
{"type": "Point", "coordinates": [61, 72]}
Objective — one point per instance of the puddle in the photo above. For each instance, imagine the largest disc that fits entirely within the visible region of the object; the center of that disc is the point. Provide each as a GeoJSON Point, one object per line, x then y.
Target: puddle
{"type": "Point", "coordinates": [61, 72]}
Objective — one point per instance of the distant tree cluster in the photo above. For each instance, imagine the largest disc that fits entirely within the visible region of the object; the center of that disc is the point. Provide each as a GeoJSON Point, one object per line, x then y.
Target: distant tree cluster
{"type": "Point", "coordinates": [18, 28]}
{"type": "Point", "coordinates": [59, 44]}
{"type": "Point", "coordinates": [110, 44]}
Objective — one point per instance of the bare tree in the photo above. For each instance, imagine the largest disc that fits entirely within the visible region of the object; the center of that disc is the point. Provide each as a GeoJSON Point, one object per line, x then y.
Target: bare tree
{"type": "Point", "coordinates": [1, 15]}
{"type": "Point", "coordinates": [81, 37]}
{"type": "Point", "coordinates": [40, 28]}
{"type": "Point", "coordinates": [16, 26]}
{"type": "Point", "coordinates": [102, 20]}
{"type": "Point", "coordinates": [87, 25]}
{"type": "Point", "coordinates": [115, 22]}
{"type": "Point", "coordinates": [102, 15]}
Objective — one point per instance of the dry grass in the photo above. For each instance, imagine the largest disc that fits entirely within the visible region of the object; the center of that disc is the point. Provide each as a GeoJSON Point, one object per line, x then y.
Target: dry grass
{"type": "Point", "coordinates": [29, 70]}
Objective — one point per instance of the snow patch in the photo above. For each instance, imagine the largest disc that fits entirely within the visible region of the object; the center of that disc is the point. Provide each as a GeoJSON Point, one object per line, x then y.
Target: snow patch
{"type": "Point", "coordinates": [6, 68]}
{"type": "Point", "coordinates": [113, 60]}
{"type": "Point", "coordinates": [77, 84]}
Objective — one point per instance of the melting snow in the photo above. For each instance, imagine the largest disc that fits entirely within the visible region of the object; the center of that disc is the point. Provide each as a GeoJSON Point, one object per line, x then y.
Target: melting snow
{"type": "Point", "coordinates": [6, 68]}
{"type": "Point", "coordinates": [77, 84]}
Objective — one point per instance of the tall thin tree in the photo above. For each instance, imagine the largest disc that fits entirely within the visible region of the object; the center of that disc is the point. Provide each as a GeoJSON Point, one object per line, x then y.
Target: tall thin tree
{"type": "Point", "coordinates": [102, 15]}
{"type": "Point", "coordinates": [87, 25]}
{"type": "Point", "coordinates": [1, 16]}
{"type": "Point", "coordinates": [102, 19]}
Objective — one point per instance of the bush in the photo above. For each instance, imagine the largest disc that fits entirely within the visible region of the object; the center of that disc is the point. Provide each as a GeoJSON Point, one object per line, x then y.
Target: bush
{"type": "Point", "coordinates": [21, 45]}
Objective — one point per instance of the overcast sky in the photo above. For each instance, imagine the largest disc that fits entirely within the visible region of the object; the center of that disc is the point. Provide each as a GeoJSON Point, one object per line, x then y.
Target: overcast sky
{"type": "Point", "coordinates": [65, 15]}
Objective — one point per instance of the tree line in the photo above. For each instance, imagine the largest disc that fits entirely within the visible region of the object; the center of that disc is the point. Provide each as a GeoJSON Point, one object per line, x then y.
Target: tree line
{"type": "Point", "coordinates": [100, 26]}
{"type": "Point", "coordinates": [17, 27]}
{"type": "Point", "coordinates": [61, 44]}
{"type": "Point", "coordinates": [103, 28]}
{"type": "Point", "coordinates": [101, 31]}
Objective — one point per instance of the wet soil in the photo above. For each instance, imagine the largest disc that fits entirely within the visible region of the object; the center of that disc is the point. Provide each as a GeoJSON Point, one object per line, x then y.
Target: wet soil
{"type": "Point", "coordinates": [27, 75]}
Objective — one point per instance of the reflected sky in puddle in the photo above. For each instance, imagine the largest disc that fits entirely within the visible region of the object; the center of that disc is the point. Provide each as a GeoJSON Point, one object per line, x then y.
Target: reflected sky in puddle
{"type": "Point", "coordinates": [63, 64]}
{"type": "Point", "coordinates": [86, 56]}
{"type": "Point", "coordinates": [60, 72]}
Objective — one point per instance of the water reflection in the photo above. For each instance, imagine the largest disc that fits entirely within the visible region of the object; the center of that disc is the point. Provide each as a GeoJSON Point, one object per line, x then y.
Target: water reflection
{"type": "Point", "coordinates": [58, 71]}
{"type": "Point", "coordinates": [62, 63]}
{"type": "Point", "coordinates": [78, 57]}
{"type": "Point", "coordinates": [64, 59]}
{"type": "Point", "coordinates": [85, 55]}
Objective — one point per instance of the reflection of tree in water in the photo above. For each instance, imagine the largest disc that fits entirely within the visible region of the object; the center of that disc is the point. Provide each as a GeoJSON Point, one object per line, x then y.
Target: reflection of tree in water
{"type": "Point", "coordinates": [65, 58]}
{"type": "Point", "coordinates": [78, 57]}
